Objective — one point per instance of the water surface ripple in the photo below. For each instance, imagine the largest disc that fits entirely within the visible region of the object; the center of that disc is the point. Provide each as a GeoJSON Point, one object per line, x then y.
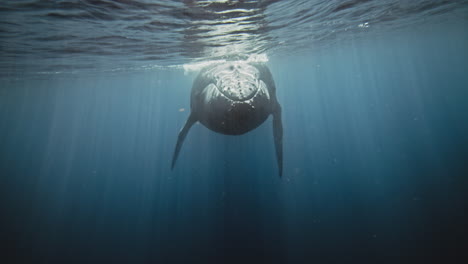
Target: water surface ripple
{"type": "Point", "coordinates": [59, 35]}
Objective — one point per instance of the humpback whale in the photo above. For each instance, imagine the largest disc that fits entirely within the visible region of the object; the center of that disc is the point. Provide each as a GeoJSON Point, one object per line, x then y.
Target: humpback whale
{"type": "Point", "coordinates": [233, 98]}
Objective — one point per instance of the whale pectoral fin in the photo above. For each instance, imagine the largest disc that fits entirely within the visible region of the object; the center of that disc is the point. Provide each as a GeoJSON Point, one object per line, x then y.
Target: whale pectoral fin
{"type": "Point", "coordinates": [278, 137]}
{"type": "Point", "coordinates": [183, 132]}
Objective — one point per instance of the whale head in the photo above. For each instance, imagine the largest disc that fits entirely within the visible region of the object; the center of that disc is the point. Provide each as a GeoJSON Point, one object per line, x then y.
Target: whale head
{"type": "Point", "coordinates": [237, 80]}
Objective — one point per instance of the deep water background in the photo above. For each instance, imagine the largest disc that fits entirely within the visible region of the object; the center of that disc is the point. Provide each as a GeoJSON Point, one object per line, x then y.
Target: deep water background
{"type": "Point", "coordinates": [376, 152]}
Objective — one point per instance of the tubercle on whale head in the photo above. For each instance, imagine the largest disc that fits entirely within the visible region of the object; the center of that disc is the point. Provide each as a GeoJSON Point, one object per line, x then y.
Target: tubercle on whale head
{"type": "Point", "coordinates": [238, 81]}
{"type": "Point", "coordinates": [212, 93]}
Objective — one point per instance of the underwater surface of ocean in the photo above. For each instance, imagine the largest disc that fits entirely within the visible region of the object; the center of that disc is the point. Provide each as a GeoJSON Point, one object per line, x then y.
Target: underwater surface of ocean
{"type": "Point", "coordinates": [375, 115]}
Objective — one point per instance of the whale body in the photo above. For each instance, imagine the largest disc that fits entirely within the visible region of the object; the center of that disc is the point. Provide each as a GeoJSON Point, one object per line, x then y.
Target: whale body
{"type": "Point", "coordinates": [233, 98]}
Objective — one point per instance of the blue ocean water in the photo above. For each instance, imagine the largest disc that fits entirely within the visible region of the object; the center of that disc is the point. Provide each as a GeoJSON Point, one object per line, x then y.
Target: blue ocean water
{"type": "Point", "coordinates": [93, 94]}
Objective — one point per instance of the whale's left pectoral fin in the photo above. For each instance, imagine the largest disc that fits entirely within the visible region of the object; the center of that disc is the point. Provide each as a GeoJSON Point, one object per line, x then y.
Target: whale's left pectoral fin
{"type": "Point", "coordinates": [278, 137]}
{"type": "Point", "coordinates": [182, 134]}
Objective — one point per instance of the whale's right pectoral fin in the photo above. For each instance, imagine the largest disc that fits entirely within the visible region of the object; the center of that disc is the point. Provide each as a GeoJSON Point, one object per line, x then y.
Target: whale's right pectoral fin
{"type": "Point", "coordinates": [183, 132]}
{"type": "Point", "coordinates": [278, 137]}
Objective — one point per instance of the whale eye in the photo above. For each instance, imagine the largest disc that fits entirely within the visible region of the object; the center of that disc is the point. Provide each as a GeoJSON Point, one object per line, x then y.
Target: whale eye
{"type": "Point", "coordinates": [231, 68]}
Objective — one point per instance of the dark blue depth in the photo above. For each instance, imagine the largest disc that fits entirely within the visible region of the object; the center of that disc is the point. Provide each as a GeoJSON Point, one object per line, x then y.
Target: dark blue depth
{"type": "Point", "coordinates": [375, 163]}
